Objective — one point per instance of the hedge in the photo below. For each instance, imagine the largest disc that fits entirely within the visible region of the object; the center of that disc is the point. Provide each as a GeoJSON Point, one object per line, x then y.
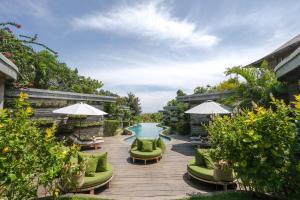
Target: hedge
{"type": "Point", "coordinates": [126, 124]}
{"type": "Point", "coordinates": [111, 127]}
{"type": "Point", "coordinates": [182, 128]}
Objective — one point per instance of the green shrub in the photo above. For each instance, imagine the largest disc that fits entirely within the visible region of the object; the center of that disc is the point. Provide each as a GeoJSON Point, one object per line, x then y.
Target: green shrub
{"type": "Point", "coordinates": [111, 127]}
{"type": "Point", "coordinates": [263, 146]}
{"type": "Point", "coordinates": [126, 124]}
{"type": "Point", "coordinates": [44, 122]}
{"type": "Point", "coordinates": [183, 128]}
{"type": "Point", "coordinates": [88, 124]}
{"type": "Point", "coordinates": [26, 152]}
{"type": "Point", "coordinates": [77, 117]}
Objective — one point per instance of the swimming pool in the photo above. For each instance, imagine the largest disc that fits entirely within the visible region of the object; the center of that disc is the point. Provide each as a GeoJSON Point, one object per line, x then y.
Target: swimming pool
{"type": "Point", "coordinates": [147, 131]}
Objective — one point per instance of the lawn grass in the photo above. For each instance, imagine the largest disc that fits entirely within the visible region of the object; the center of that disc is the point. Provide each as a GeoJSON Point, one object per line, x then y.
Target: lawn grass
{"type": "Point", "coordinates": [225, 196]}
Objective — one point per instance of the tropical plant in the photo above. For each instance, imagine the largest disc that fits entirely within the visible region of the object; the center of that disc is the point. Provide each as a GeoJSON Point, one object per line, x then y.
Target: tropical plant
{"type": "Point", "coordinates": [257, 84]}
{"type": "Point", "coordinates": [263, 145]}
{"type": "Point", "coordinates": [200, 90]}
{"type": "Point", "coordinates": [227, 85]}
{"type": "Point", "coordinates": [72, 174]}
{"type": "Point", "coordinates": [180, 93]}
{"type": "Point", "coordinates": [29, 157]}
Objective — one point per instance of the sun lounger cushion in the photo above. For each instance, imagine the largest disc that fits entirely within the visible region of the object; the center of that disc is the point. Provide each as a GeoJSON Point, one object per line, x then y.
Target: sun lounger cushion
{"type": "Point", "coordinates": [147, 146]}
{"type": "Point", "coordinates": [199, 158]}
{"type": "Point", "coordinates": [91, 163]}
{"type": "Point", "coordinates": [134, 143]}
{"type": "Point", "coordinates": [203, 158]}
{"type": "Point", "coordinates": [102, 163]}
{"type": "Point", "coordinates": [208, 161]}
{"type": "Point", "coordinates": [134, 152]}
{"type": "Point", "coordinates": [139, 143]}
{"type": "Point", "coordinates": [98, 178]}
{"type": "Point", "coordinates": [200, 171]}
{"type": "Point", "coordinates": [94, 163]}
{"type": "Point", "coordinates": [160, 143]}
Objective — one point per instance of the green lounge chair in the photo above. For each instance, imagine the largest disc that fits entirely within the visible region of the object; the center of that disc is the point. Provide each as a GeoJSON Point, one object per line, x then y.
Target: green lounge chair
{"type": "Point", "coordinates": [202, 169]}
{"type": "Point", "coordinates": [98, 172]}
{"type": "Point", "coordinates": [147, 149]}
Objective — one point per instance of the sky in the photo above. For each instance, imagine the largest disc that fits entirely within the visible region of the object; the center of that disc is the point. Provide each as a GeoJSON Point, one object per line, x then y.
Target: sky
{"type": "Point", "coordinates": [155, 47]}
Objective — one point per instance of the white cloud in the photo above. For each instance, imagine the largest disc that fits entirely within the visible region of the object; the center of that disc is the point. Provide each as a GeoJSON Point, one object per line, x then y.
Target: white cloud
{"type": "Point", "coordinates": [184, 74]}
{"type": "Point", "coordinates": [38, 9]}
{"type": "Point", "coordinates": [151, 20]}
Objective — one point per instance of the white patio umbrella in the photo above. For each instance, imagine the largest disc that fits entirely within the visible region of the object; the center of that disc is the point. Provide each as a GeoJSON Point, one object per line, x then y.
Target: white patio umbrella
{"type": "Point", "coordinates": [209, 108]}
{"type": "Point", "coordinates": [80, 109]}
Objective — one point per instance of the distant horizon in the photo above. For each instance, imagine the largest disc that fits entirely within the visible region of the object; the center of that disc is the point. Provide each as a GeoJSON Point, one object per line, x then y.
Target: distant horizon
{"type": "Point", "coordinates": [153, 48]}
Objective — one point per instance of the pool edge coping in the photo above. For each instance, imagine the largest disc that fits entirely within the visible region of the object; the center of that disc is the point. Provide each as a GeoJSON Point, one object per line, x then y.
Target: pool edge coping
{"type": "Point", "coordinates": [160, 134]}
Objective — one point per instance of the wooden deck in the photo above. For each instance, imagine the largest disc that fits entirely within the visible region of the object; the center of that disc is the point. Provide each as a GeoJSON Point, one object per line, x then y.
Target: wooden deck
{"type": "Point", "coordinates": [164, 180]}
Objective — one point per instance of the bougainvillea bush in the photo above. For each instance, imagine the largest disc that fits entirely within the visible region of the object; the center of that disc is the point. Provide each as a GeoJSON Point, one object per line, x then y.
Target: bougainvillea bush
{"type": "Point", "coordinates": [41, 69]}
{"type": "Point", "coordinates": [28, 156]}
{"type": "Point", "coordinates": [263, 145]}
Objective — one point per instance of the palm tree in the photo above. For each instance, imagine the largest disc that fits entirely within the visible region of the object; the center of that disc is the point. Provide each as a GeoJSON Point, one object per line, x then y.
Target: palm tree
{"type": "Point", "coordinates": [256, 86]}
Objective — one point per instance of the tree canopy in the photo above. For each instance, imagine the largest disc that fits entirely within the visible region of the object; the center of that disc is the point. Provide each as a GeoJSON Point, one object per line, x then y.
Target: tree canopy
{"type": "Point", "coordinates": [134, 103]}
{"type": "Point", "coordinates": [42, 69]}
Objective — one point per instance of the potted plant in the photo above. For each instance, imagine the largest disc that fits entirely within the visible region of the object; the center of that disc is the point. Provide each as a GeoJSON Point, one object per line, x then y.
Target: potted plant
{"type": "Point", "coordinates": [223, 171]}
{"type": "Point", "coordinates": [73, 175]}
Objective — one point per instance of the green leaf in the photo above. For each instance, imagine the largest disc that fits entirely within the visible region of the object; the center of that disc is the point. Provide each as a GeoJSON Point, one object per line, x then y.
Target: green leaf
{"type": "Point", "coordinates": [12, 177]}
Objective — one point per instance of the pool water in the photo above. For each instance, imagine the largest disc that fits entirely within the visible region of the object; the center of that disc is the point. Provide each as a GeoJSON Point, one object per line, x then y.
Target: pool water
{"type": "Point", "coordinates": [146, 131]}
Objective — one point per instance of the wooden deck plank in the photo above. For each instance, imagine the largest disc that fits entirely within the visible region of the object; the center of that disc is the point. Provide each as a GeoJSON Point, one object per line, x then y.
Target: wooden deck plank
{"type": "Point", "coordinates": [166, 179]}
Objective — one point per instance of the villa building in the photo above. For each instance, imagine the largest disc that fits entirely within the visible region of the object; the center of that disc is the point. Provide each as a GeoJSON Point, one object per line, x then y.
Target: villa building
{"type": "Point", "coordinates": [286, 63]}
{"type": "Point", "coordinates": [280, 53]}
{"type": "Point", "coordinates": [288, 71]}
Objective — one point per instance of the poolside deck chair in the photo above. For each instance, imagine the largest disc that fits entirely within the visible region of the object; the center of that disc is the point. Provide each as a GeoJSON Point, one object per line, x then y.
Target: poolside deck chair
{"type": "Point", "coordinates": [196, 137]}
{"type": "Point", "coordinates": [93, 142]}
{"type": "Point", "coordinates": [200, 141]}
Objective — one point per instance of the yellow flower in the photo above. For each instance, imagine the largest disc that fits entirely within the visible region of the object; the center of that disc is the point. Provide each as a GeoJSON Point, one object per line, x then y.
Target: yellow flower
{"type": "Point", "coordinates": [297, 102]}
{"type": "Point", "coordinates": [23, 96]}
{"type": "Point", "coordinates": [56, 192]}
{"type": "Point", "coordinates": [251, 116]}
{"type": "Point", "coordinates": [49, 133]}
{"type": "Point", "coordinates": [5, 150]}
{"type": "Point", "coordinates": [29, 110]}
{"type": "Point", "coordinates": [260, 110]}
{"type": "Point", "coordinates": [297, 97]}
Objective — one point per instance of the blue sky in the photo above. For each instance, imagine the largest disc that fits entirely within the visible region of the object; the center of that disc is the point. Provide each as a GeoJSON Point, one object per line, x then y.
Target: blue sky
{"type": "Point", "coordinates": [152, 48]}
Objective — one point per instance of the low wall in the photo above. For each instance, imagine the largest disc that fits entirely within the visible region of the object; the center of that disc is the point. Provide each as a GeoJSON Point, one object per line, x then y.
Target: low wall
{"type": "Point", "coordinates": [44, 102]}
